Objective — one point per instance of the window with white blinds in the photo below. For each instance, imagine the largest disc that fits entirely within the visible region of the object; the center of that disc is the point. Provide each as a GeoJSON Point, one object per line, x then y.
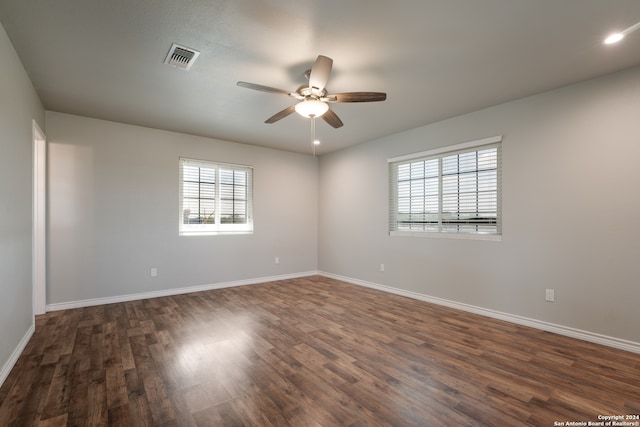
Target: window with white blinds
{"type": "Point", "coordinates": [453, 190]}
{"type": "Point", "coordinates": [215, 198]}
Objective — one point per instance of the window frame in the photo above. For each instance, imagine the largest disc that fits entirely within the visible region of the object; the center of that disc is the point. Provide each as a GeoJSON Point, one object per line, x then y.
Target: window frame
{"type": "Point", "coordinates": [218, 227]}
{"type": "Point", "coordinates": [439, 154]}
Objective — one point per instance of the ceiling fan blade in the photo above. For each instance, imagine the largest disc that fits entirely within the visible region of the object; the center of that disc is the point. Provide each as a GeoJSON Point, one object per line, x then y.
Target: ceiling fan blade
{"type": "Point", "coordinates": [281, 115]}
{"type": "Point", "coordinates": [320, 72]}
{"type": "Point", "coordinates": [356, 97]}
{"type": "Point", "coordinates": [332, 118]}
{"type": "Point", "coordinates": [263, 88]}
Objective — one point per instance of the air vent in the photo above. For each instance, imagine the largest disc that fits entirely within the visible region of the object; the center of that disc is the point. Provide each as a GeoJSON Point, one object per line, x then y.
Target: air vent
{"type": "Point", "coordinates": [181, 57]}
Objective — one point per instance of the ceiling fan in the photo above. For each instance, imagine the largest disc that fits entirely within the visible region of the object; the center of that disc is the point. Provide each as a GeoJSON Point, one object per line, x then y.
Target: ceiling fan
{"type": "Point", "coordinates": [314, 99]}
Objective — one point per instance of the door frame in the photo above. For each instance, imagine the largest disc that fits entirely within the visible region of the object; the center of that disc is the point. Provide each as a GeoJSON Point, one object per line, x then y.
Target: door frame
{"type": "Point", "coordinates": [39, 255]}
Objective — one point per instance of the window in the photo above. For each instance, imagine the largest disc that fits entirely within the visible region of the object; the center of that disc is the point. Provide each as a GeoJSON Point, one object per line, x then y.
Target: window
{"type": "Point", "coordinates": [453, 190]}
{"type": "Point", "coordinates": [215, 198]}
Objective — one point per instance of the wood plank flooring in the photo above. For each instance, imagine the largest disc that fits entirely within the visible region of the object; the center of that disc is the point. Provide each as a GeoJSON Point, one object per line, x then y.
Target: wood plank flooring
{"type": "Point", "coordinates": [307, 352]}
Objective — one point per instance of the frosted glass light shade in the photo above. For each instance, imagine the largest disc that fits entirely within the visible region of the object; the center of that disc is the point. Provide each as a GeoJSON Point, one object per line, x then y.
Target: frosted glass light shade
{"type": "Point", "coordinates": [311, 108]}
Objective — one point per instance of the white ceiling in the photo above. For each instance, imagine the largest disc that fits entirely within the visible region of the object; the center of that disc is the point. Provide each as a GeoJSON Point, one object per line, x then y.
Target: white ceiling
{"type": "Point", "coordinates": [434, 58]}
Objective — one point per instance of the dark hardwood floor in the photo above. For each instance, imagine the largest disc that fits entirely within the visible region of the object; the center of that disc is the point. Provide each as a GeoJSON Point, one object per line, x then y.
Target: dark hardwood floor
{"type": "Point", "coordinates": [307, 352]}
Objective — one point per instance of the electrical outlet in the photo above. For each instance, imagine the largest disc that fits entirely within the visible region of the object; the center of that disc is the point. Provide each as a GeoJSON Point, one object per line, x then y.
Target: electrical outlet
{"type": "Point", "coordinates": [381, 267]}
{"type": "Point", "coordinates": [550, 295]}
{"type": "Point", "coordinates": [154, 272]}
{"type": "Point", "coordinates": [276, 260]}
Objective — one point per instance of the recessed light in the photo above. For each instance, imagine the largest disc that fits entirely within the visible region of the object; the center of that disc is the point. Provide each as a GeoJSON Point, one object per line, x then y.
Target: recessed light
{"type": "Point", "coordinates": [614, 38]}
{"type": "Point", "coordinates": [316, 142]}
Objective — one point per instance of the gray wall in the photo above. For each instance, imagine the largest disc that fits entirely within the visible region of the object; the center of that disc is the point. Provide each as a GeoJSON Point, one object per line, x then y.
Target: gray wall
{"type": "Point", "coordinates": [19, 105]}
{"type": "Point", "coordinates": [113, 212]}
{"type": "Point", "coordinates": [571, 206]}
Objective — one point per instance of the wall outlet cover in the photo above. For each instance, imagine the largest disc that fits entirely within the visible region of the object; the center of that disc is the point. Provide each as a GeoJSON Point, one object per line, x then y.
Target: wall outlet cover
{"type": "Point", "coordinates": [550, 295]}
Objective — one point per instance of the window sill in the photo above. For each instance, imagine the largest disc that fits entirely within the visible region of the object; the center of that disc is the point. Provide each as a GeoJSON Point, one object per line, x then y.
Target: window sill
{"type": "Point", "coordinates": [213, 233]}
{"type": "Point", "coordinates": [462, 236]}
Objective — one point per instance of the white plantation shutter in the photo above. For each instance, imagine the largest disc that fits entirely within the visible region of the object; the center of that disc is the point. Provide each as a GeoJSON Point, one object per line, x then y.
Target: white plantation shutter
{"type": "Point", "coordinates": [452, 190]}
{"type": "Point", "coordinates": [215, 198]}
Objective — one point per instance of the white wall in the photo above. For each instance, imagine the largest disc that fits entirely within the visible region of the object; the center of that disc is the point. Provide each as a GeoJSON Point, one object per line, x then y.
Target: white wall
{"type": "Point", "coordinates": [571, 207]}
{"type": "Point", "coordinates": [19, 105]}
{"type": "Point", "coordinates": [113, 212]}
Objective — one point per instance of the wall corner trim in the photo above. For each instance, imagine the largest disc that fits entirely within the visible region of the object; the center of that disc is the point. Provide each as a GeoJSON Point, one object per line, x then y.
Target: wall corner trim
{"type": "Point", "coordinates": [8, 366]}
{"type": "Point", "coordinates": [593, 337]}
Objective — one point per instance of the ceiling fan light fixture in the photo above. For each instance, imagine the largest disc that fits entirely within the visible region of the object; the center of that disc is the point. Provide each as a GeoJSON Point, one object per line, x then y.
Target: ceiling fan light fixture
{"type": "Point", "coordinates": [313, 100]}
{"type": "Point", "coordinates": [311, 108]}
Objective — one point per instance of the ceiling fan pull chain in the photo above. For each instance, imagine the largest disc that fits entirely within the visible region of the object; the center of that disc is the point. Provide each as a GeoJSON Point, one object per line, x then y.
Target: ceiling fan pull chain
{"type": "Point", "coordinates": [313, 134]}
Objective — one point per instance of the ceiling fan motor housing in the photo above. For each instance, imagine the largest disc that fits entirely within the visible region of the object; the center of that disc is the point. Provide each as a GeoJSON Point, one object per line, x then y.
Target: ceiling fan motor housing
{"type": "Point", "coordinates": [311, 92]}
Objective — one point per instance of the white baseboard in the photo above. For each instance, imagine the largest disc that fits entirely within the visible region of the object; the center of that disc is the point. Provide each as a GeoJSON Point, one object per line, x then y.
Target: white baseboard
{"type": "Point", "coordinates": [619, 343]}
{"type": "Point", "coordinates": [593, 337]}
{"type": "Point", "coordinates": [8, 366]}
{"type": "Point", "coordinates": [175, 291]}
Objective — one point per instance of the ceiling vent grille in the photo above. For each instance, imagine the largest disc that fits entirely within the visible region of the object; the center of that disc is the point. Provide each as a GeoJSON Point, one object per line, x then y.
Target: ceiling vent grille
{"type": "Point", "coordinates": [181, 57]}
